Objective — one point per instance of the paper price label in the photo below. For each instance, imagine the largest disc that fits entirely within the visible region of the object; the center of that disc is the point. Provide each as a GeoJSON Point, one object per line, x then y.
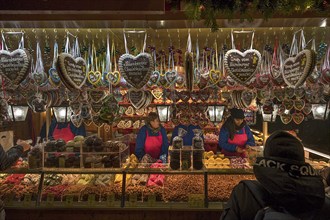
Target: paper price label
{"type": "Point", "coordinates": [196, 200]}
{"type": "Point", "coordinates": [151, 200]}
{"type": "Point", "coordinates": [132, 200]}
{"type": "Point", "coordinates": [110, 200]}
{"type": "Point", "coordinates": [69, 200]}
{"type": "Point", "coordinates": [50, 199]}
{"type": "Point", "coordinates": [27, 199]}
{"type": "Point", "coordinates": [91, 199]}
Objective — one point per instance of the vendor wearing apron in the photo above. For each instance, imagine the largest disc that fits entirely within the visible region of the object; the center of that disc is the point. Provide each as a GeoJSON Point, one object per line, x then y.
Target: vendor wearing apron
{"type": "Point", "coordinates": [235, 135]}
{"type": "Point", "coordinates": [152, 139]}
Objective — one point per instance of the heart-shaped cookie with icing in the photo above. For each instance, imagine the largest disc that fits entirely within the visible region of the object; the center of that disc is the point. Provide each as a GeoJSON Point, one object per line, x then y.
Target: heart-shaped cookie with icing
{"type": "Point", "coordinates": [14, 66]}
{"type": "Point", "coordinates": [94, 77]}
{"type": "Point", "coordinates": [299, 104]}
{"type": "Point", "coordinates": [136, 70]}
{"type": "Point", "coordinates": [129, 111]}
{"type": "Point", "coordinates": [154, 78]}
{"type": "Point", "coordinates": [288, 103]}
{"type": "Point", "coordinates": [54, 78]}
{"type": "Point", "coordinates": [96, 95]}
{"type": "Point", "coordinates": [72, 71]}
{"type": "Point", "coordinates": [242, 66]}
{"type": "Point", "coordinates": [157, 93]}
{"type": "Point", "coordinates": [215, 76]}
{"type": "Point", "coordinates": [286, 118]}
{"type": "Point", "coordinates": [137, 98]}
{"type": "Point", "coordinates": [297, 69]}
{"type": "Point", "coordinates": [114, 78]}
{"type": "Point", "coordinates": [96, 107]}
{"type": "Point", "coordinates": [289, 92]}
{"type": "Point", "coordinates": [299, 92]}
{"type": "Point", "coordinates": [279, 94]}
{"type": "Point", "coordinates": [275, 71]}
{"type": "Point", "coordinates": [298, 117]}
{"type": "Point", "coordinates": [171, 77]}
{"type": "Point", "coordinates": [307, 108]}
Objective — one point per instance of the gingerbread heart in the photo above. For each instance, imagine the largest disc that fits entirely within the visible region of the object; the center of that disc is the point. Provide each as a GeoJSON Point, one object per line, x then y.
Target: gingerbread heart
{"type": "Point", "coordinates": [137, 98]}
{"type": "Point", "coordinates": [129, 111]}
{"type": "Point", "coordinates": [179, 82]}
{"type": "Point", "coordinates": [96, 107]}
{"type": "Point", "coordinates": [14, 66]}
{"type": "Point", "coordinates": [299, 92]}
{"type": "Point", "coordinates": [76, 120]}
{"type": "Point", "coordinates": [96, 95]}
{"type": "Point", "coordinates": [204, 95]}
{"type": "Point", "coordinates": [94, 77]}
{"type": "Point", "coordinates": [288, 103]}
{"type": "Point", "coordinates": [299, 104]}
{"type": "Point", "coordinates": [39, 78]}
{"type": "Point", "coordinates": [194, 96]}
{"type": "Point", "coordinates": [163, 82]}
{"type": "Point", "coordinates": [297, 69]}
{"type": "Point", "coordinates": [279, 94]}
{"type": "Point", "coordinates": [154, 78]}
{"type": "Point", "coordinates": [54, 78]}
{"type": "Point", "coordinates": [72, 71]}
{"type": "Point", "coordinates": [184, 96]}
{"type": "Point", "coordinates": [280, 109]}
{"type": "Point", "coordinates": [75, 107]}
{"type": "Point", "coordinates": [307, 108]}
{"type": "Point", "coordinates": [114, 78]}
{"type": "Point", "coordinates": [204, 79]}
{"type": "Point", "coordinates": [157, 93]}
{"type": "Point", "coordinates": [263, 80]}
{"type": "Point", "coordinates": [289, 92]}
{"type": "Point", "coordinates": [298, 117]}
{"type": "Point", "coordinates": [214, 76]}
{"type": "Point", "coordinates": [286, 118]}
{"type": "Point", "coordinates": [247, 98]}
{"type": "Point", "coordinates": [85, 110]}
{"type": "Point", "coordinates": [279, 81]}
{"type": "Point", "coordinates": [275, 71]}
{"type": "Point", "coordinates": [98, 121]}
{"type": "Point", "coordinates": [171, 77]}
{"type": "Point", "coordinates": [242, 66]}
{"type": "Point", "coordinates": [231, 82]}
{"type": "Point", "coordinates": [73, 95]}
{"type": "Point", "coordinates": [136, 70]}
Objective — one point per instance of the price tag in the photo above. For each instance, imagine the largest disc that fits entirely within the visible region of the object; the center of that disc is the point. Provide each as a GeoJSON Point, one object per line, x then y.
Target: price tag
{"type": "Point", "coordinates": [69, 200]}
{"type": "Point", "coordinates": [50, 199]}
{"type": "Point", "coordinates": [91, 199]}
{"type": "Point", "coordinates": [196, 200]}
{"type": "Point", "coordinates": [111, 200]}
{"type": "Point", "coordinates": [151, 200]}
{"type": "Point", "coordinates": [132, 200]}
{"type": "Point", "coordinates": [27, 199]}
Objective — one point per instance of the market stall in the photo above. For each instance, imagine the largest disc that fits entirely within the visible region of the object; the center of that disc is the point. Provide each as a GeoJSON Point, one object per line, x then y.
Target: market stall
{"type": "Point", "coordinates": [106, 80]}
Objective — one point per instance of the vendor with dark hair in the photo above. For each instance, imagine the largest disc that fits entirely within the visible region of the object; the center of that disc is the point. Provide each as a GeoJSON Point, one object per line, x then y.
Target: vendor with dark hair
{"type": "Point", "coordinates": [235, 135]}
{"type": "Point", "coordinates": [151, 138]}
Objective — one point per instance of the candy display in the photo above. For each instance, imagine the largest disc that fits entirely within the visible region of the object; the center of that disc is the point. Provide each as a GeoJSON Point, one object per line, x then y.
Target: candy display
{"type": "Point", "coordinates": [216, 161]}
{"type": "Point", "coordinates": [240, 163]}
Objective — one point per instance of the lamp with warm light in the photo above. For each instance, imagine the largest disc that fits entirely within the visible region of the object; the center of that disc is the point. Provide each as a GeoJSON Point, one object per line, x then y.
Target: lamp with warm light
{"type": "Point", "coordinates": [62, 113]}
{"type": "Point", "coordinates": [17, 113]}
{"type": "Point", "coordinates": [320, 111]}
{"type": "Point", "coordinates": [216, 113]}
{"type": "Point", "coordinates": [164, 112]}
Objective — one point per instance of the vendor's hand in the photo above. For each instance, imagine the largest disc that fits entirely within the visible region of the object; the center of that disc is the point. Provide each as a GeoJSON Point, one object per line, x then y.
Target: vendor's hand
{"type": "Point", "coordinates": [240, 150]}
{"type": "Point", "coordinates": [24, 144]}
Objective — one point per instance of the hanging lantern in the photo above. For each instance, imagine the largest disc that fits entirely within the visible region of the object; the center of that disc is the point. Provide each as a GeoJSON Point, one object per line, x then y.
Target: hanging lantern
{"type": "Point", "coordinates": [320, 111]}
{"type": "Point", "coordinates": [62, 113]}
{"type": "Point", "coordinates": [164, 112]}
{"type": "Point", "coordinates": [216, 113]}
{"type": "Point", "coordinates": [17, 113]}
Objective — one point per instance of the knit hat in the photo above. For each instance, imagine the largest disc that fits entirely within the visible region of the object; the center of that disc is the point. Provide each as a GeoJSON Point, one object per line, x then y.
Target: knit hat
{"type": "Point", "coordinates": [283, 145]}
{"type": "Point", "coordinates": [237, 113]}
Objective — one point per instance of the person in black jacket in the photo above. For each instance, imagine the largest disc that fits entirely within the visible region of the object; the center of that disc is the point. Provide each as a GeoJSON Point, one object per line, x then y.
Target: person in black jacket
{"type": "Point", "coordinates": [8, 158]}
{"type": "Point", "coordinates": [285, 183]}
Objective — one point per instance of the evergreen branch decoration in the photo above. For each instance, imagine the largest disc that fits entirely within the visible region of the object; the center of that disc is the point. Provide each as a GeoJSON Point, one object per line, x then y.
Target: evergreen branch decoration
{"type": "Point", "coordinates": [209, 10]}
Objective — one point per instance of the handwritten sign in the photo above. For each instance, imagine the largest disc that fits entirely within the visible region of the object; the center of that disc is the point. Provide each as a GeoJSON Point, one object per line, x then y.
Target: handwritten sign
{"type": "Point", "coordinates": [50, 199]}
{"type": "Point", "coordinates": [136, 70]}
{"type": "Point", "coordinates": [110, 200]}
{"type": "Point", "coordinates": [14, 66]}
{"type": "Point", "coordinates": [27, 199]}
{"type": "Point", "coordinates": [196, 200]}
{"type": "Point", "coordinates": [151, 200]}
{"type": "Point", "coordinates": [242, 66]}
{"type": "Point", "coordinates": [297, 69]}
{"type": "Point", "coordinates": [132, 200]}
{"type": "Point", "coordinates": [72, 71]}
{"type": "Point", "coordinates": [91, 199]}
{"type": "Point", "coordinates": [69, 200]}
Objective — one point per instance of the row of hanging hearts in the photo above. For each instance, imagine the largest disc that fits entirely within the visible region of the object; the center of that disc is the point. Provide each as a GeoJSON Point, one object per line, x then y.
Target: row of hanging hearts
{"type": "Point", "coordinates": [190, 114]}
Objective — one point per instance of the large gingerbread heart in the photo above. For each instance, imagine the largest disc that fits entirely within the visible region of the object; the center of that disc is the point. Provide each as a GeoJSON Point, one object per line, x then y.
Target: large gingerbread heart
{"type": "Point", "coordinates": [298, 117]}
{"type": "Point", "coordinates": [136, 70]}
{"type": "Point", "coordinates": [297, 69]}
{"type": "Point", "coordinates": [72, 71]}
{"type": "Point", "coordinates": [15, 65]}
{"type": "Point", "coordinates": [137, 98]}
{"type": "Point", "coordinates": [242, 66]}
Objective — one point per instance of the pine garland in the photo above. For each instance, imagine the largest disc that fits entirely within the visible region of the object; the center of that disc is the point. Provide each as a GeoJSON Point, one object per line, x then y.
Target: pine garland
{"type": "Point", "coordinates": [209, 10]}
